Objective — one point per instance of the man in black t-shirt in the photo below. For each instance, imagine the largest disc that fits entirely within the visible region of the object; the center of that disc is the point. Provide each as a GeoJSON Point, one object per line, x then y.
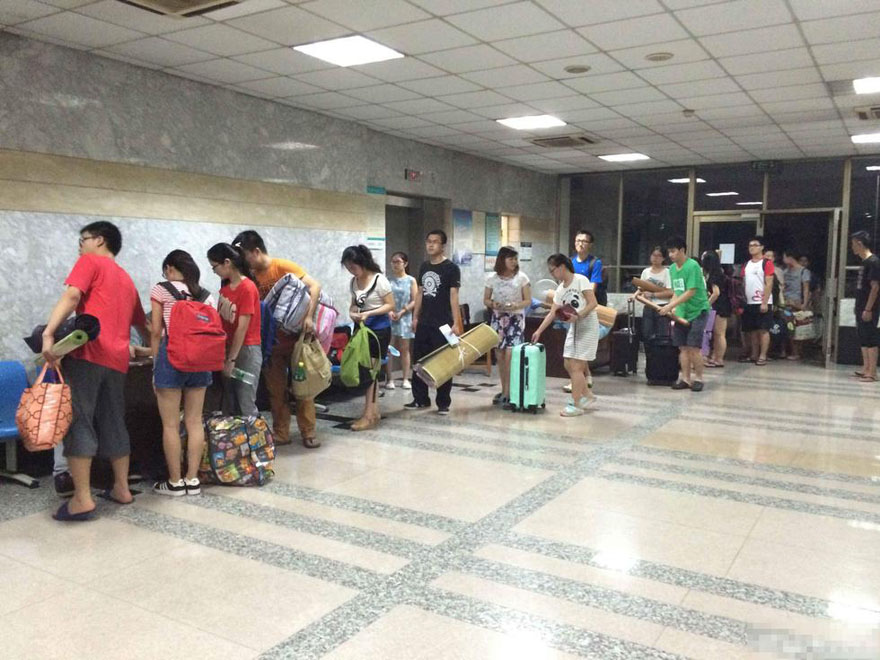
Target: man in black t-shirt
{"type": "Point", "coordinates": [867, 305]}
{"type": "Point", "coordinates": [436, 305]}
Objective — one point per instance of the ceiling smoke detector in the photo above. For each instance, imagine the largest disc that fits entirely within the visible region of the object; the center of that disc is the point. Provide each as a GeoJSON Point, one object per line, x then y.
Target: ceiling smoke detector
{"type": "Point", "coordinates": [659, 57]}
{"type": "Point", "coordinates": [180, 8]}
{"type": "Point", "coordinates": [577, 68]}
{"type": "Point", "coordinates": [565, 141]}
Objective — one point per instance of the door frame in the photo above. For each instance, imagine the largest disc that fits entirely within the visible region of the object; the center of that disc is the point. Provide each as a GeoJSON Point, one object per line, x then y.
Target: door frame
{"type": "Point", "coordinates": [835, 274]}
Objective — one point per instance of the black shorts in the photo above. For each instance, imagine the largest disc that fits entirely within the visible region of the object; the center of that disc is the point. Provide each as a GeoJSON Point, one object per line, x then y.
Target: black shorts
{"type": "Point", "coordinates": [753, 319]}
{"type": "Point", "coordinates": [690, 336]}
{"type": "Point", "coordinates": [869, 333]}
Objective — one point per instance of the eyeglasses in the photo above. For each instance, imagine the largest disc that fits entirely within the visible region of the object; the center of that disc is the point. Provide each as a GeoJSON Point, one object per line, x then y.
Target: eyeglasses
{"type": "Point", "coordinates": [83, 239]}
{"type": "Point", "coordinates": [214, 267]}
{"type": "Point", "coordinates": [754, 245]}
{"type": "Point", "coordinates": [581, 240]}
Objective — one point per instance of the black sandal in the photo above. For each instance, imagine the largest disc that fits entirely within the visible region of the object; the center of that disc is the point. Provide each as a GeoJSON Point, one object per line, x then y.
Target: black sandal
{"type": "Point", "coordinates": [311, 443]}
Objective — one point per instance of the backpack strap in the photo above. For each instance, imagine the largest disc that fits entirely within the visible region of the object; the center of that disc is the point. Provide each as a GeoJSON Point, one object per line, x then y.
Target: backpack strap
{"type": "Point", "coordinates": [204, 294]}
{"type": "Point", "coordinates": [176, 293]}
{"type": "Point", "coordinates": [362, 300]}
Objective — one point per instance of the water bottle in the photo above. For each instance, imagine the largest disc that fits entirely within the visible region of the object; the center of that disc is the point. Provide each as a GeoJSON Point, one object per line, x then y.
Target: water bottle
{"type": "Point", "coordinates": [300, 374]}
{"type": "Point", "coordinates": [243, 376]}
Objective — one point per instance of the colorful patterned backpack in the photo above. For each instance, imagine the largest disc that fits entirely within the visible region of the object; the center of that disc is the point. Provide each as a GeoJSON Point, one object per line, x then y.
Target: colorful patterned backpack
{"type": "Point", "coordinates": [239, 451]}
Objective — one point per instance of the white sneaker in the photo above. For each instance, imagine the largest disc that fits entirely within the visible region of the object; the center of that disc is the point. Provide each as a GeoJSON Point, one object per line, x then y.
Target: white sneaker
{"type": "Point", "coordinates": [389, 384]}
{"type": "Point", "coordinates": [586, 402]}
{"type": "Point", "coordinates": [567, 388]}
{"type": "Point", "coordinates": [571, 411]}
{"type": "Point", "coordinates": [193, 486]}
{"type": "Point", "coordinates": [406, 384]}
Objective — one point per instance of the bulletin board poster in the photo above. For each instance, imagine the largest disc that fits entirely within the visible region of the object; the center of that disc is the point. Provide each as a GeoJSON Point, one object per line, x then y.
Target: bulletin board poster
{"type": "Point", "coordinates": [493, 234]}
{"type": "Point", "coordinates": [462, 236]}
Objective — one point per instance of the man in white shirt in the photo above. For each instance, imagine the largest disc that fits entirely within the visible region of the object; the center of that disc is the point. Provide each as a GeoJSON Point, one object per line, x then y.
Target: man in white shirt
{"type": "Point", "coordinates": [757, 275]}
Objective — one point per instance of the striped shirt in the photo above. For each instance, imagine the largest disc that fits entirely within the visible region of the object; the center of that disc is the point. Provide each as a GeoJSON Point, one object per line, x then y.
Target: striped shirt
{"type": "Point", "coordinates": [162, 296]}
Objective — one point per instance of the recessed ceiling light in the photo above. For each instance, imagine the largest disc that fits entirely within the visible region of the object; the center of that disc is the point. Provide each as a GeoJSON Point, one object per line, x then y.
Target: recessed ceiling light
{"type": "Point", "coordinates": [659, 57]}
{"type": "Point", "coordinates": [685, 180]}
{"type": "Point", "coordinates": [750, 203]}
{"type": "Point", "coordinates": [291, 146]}
{"type": "Point", "coordinates": [349, 51]}
{"type": "Point", "coordinates": [577, 68]}
{"type": "Point", "coordinates": [866, 85]}
{"type": "Point", "coordinates": [866, 138]}
{"type": "Point", "coordinates": [873, 168]}
{"type": "Point", "coordinates": [722, 194]}
{"type": "Point", "coordinates": [531, 122]}
{"type": "Point", "coordinates": [623, 158]}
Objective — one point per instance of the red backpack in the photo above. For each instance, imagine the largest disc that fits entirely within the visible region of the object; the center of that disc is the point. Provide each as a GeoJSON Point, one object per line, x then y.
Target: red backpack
{"type": "Point", "coordinates": [198, 342]}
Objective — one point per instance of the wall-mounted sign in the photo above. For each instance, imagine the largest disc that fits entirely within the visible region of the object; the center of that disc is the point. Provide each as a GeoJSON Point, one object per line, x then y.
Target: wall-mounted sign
{"type": "Point", "coordinates": [412, 175]}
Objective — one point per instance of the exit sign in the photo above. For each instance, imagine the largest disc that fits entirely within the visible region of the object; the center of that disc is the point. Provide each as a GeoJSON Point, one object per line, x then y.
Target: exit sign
{"type": "Point", "coordinates": [412, 175]}
{"type": "Point", "coordinates": [772, 166]}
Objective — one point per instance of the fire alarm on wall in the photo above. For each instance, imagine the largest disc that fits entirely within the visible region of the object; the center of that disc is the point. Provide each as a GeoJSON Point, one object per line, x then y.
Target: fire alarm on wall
{"type": "Point", "coordinates": [412, 175]}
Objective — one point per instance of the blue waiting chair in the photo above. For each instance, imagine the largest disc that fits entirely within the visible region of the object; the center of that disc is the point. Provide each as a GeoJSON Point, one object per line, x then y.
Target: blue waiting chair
{"type": "Point", "coordinates": [13, 381]}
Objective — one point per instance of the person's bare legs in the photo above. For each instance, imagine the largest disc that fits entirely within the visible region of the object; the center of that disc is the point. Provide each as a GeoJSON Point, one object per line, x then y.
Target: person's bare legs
{"type": "Point", "coordinates": [719, 345]}
{"type": "Point", "coordinates": [193, 406]}
{"type": "Point", "coordinates": [169, 410]}
{"type": "Point", "coordinates": [120, 490]}
{"type": "Point", "coordinates": [80, 469]}
{"type": "Point", "coordinates": [684, 363]}
{"type": "Point", "coordinates": [589, 390]}
{"type": "Point", "coordinates": [764, 342]}
{"type": "Point", "coordinates": [403, 345]}
{"type": "Point", "coordinates": [695, 360]}
{"type": "Point", "coordinates": [389, 364]}
{"type": "Point", "coordinates": [503, 355]}
{"type": "Point", "coordinates": [871, 362]}
{"type": "Point", "coordinates": [575, 369]}
{"type": "Point", "coordinates": [754, 342]}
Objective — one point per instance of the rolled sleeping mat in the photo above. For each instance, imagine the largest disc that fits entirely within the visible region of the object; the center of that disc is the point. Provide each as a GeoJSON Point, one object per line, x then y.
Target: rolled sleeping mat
{"type": "Point", "coordinates": [645, 285]}
{"type": "Point", "coordinates": [68, 344]}
{"type": "Point", "coordinates": [442, 365]}
{"type": "Point", "coordinates": [607, 315]}
{"type": "Point", "coordinates": [652, 305]}
{"type": "Point", "coordinates": [85, 322]}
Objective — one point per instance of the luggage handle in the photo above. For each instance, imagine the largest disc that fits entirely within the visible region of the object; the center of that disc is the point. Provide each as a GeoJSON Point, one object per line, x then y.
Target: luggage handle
{"type": "Point", "coordinates": [526, 374]}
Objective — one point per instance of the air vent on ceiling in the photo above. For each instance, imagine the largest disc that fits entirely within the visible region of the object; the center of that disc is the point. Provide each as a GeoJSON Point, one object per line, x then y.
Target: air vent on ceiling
{"type": "Point", "coordinates": [868, 112]}
{"type": "Point", "coordinates": [180, 8]}
{"type": "Point", "coordinates": [564, 141]}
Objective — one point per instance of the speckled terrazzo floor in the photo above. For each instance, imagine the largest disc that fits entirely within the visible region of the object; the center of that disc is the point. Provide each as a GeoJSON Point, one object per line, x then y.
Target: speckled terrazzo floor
{"type": "Point", "coordinates": [740, 522]}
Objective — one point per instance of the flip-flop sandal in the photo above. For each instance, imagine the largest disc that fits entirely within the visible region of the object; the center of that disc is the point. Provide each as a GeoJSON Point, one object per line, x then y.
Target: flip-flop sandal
{"type": "Point", "coordinates": [63, 514]}
{"type": "Point", "coordinates": [715, 365]}
{"type": "Point", "coordinates": [108, 495]}
{"type": "Point", "coordinates": [311, 443]}
{"type": "Point", "coordinates": [858, 374]}
{"type": "Point", "coordinates": [745, 359]}
{"type": "Point", "coordinates": [761, 363]}
{"type": "Point", "coordinates": [867, 379]}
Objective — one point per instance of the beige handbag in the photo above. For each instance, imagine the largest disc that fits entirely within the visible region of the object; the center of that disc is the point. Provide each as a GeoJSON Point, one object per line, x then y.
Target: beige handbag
{"type": "Point", "coordinates": [310, 368]}
{"type": "Point", "coordinates": [44, 413]}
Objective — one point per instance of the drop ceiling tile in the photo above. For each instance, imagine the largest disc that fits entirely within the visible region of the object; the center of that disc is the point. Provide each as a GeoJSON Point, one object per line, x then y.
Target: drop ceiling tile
{"type": "Point", "coordinates": [367, 112]}
{"type": "Point", "coordinates": [861, 49]}
{"type": "Point", "coordinates": [791, 58]}
{"type": "Point", "coordinates": [715, 101]}
{"type": "Point", "coordinates": [755, 81]}
{"type": "Point", "coordinates": [687, 50]}
{"type": "Point", "coordinates": [776, 37]}
{"type": "Point", "coordinates": [534, 92]}
{"type": "Point", "coordinates": [283, 61]}
{"type": "Point", "coordinates": [418, 106]}
{"type": "Point", "coordinates": [778, 108]}
{"type": "Point", "coordinates": [704, 88]}
{"type": "Point", "coordinates": [432, 131]}
{"type": "Point", "coordinates": [19, 11]}
{"type": "Point", "coordinates": [599, 11]}
{"type": "Point", "coordinates": [482, 126]}
{"type": "Point", "coordinates": [325, 100]}
{"type": "Point", "coordinates": [441, 85]}
{"type": "Point", "coordinates": [221, 40]}
{"type": "Point", "coordinates": [421, 37]}
{"type": "Point", "coordinates": [222, 70]}
{"type": "Point", "coordinates": [634, 32]}
{"type": "Point", "coordinates": [506, 22]}
{"type": "Point", "coordinates": [66, 4]}
{"type": "Point", "coordinates": [125, 58]}
{"type": "Point", "coordinates": [842, 29]}
{"type": "Point", "coordinates": [159, 51]}
{"type": "Point", "coordinates": [585, 115]}
{"type": "Point", "coordinates": [446, 7]}
{"type": "Point", "coordinates": [469, 58]}
{"type": "Point", "coordinates": [475, 99]}
{"type": "Point", "coordinates": [850, 70]}
{"type": "Point", "coordinates": [807, 10]}
{"type": "Point", "coordinates": [398, 70]}
{"type": "Point", "coordinates": [612, 124]}
{"type": "Point", "coordinates": [280, 86]}
{"type": "Point", "coordinates": [647, 109]}
{"type": "Point", "coordinates": [367, 15]}
{"type": "Point", "coordinates": [518, 74]}
{"type": "Point", "coordinates": [506, 110]}
{"type": "Point", "coordinates": [731, 16]}
{"type": "Point", "coordinates": [590, 84]}
{"type": "Point", "coordinates": [245, 8]}
{"type": "Point", "coordinates": [562, 103]}
{"type": "Point", "coordinates": [546, 46]}
{"type": "Point", "coordinates": [80, 30]}
{"type": "Point", "coordinates": [451, 117]}
{"type": "Point", "coordinates": [289, 26]}
{"type": "Point", "coordinates": [748, 110]}
{"type": "Point", "coordinates": [627, 96]}
{"type": "Point", "coordinates": [336, 79]}
{"type": "Point", "coordinates": [682, 73]}
{"type": "Point", "coordinates": [133, 18]}
{"type": "Point", "coordinates": [599, 63]}
{"type": "Point", "coordinates": [401, 122]}
{"type": "Point", "coordinates": [790, 93]}
{"type": "Point", "coordinates": [382, 93]}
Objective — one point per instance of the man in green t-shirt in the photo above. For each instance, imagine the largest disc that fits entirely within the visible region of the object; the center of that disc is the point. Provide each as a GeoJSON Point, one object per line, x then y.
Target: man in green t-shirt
{"type": "Point", "coordinates": [690, 303]}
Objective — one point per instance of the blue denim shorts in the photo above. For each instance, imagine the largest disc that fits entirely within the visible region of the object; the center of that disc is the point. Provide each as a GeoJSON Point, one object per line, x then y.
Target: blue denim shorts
{"type": "Point", "coordinates": [167, 377]}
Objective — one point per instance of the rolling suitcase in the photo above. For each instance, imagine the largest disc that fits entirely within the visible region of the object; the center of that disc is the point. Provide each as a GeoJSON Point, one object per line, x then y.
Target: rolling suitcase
{"type": "Point", "coordinates": [625, 346]}
{"type": "Point", "coordinates": [661, 363]}
{"type": "Point", "coordinates": [528, 370]}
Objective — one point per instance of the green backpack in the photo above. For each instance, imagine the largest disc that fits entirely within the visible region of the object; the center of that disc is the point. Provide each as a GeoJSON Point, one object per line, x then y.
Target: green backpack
{"type": "Point", "coordinates": [357, 356]}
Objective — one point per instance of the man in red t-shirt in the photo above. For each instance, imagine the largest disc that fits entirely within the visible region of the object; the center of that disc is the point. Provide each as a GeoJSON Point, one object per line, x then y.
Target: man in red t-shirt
{"type": "Point", "coordinates": [97, 285]}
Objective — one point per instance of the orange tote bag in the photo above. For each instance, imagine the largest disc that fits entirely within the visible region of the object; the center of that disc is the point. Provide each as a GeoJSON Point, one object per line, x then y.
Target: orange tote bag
{"type": "Point", "coordinates": [44, 413]}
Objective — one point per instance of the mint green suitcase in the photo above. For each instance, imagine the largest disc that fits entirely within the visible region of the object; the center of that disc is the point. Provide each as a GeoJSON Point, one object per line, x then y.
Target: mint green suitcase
{"type": "Point", "coordinates": [528, 375]}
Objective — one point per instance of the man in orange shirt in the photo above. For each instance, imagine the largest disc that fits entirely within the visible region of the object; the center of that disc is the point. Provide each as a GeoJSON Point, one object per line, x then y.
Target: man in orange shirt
{"type": "Point", "coordinates": [267, 272]}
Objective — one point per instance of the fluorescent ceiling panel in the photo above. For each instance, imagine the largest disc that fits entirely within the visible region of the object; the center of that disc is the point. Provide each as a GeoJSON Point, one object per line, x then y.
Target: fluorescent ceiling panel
{"type": "Point", "coordinates": [349, 51]}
